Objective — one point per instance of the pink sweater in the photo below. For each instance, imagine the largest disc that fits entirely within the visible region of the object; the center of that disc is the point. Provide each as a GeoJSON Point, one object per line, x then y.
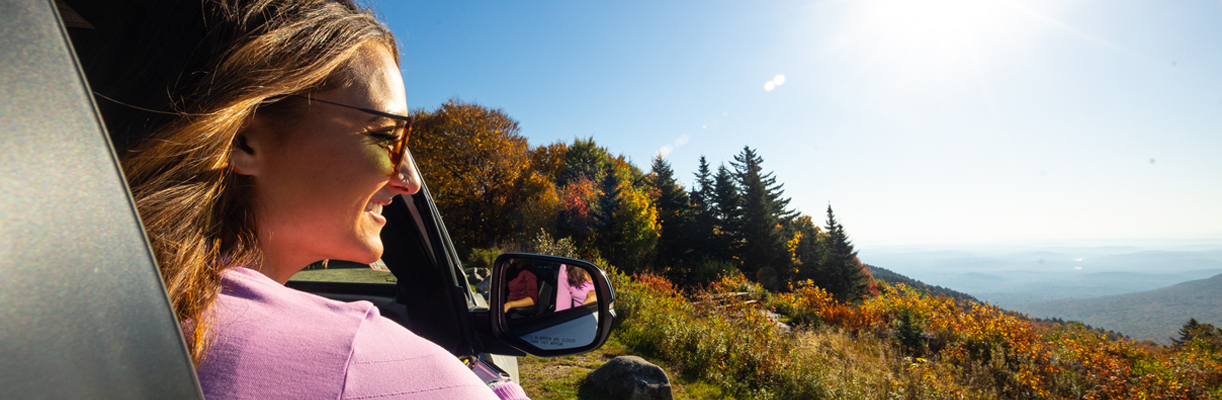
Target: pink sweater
{"type": "Point", "coordinates": [270, 341]}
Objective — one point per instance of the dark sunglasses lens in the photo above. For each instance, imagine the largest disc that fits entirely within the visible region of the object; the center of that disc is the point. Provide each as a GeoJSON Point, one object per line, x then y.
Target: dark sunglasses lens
{"type": "Point", "coordinates": [400, 147]}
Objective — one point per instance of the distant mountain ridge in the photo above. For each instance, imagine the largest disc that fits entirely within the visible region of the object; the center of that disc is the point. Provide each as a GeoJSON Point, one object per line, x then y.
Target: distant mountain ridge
{"type": "Point", "coordinates": [892, 278]}
{"type": "Point", "coordinates": [1155, 314]}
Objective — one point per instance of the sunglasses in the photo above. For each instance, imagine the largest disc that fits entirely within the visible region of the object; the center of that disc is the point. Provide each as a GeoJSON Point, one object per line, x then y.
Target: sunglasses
{"type": "Point", "coordinates": [403, 129]}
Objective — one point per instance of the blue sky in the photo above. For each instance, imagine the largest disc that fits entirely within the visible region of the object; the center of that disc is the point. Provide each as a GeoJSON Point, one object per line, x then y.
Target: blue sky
{"type": "Point", "coordinates": [921, 122]}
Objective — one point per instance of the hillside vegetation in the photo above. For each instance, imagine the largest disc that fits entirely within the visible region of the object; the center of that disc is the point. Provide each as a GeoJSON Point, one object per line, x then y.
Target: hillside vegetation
{"type": "Point", "coordinates": [898, 344]}
{"type": "Point", "coordinates": [1155, 314]}
{"type": "Point", "coordinates": [696, 271]}
{"type": "Point", "coordinates": [893, 278]}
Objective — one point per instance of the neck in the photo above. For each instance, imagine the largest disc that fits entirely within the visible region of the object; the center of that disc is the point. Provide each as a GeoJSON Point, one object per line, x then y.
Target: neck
{"type": "Point", "coordinates": [280, 266]}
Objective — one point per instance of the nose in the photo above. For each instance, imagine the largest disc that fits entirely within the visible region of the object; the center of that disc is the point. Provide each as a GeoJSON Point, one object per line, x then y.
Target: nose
{"type": "Point", "coordinates": [407, 181]}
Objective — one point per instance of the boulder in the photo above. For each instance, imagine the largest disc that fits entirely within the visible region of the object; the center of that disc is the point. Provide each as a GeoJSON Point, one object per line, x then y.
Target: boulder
{"type": "Point", "coordinates": [630, 377]}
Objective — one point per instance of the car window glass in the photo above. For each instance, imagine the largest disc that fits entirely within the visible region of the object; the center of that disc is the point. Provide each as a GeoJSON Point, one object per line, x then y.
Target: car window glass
{"type": "Point", "coordinates": [345, 271]}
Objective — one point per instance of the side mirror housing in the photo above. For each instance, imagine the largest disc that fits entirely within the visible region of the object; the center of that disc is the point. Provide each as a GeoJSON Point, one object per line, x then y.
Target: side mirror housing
{"type": "Point", "coordinates": [550, 306]}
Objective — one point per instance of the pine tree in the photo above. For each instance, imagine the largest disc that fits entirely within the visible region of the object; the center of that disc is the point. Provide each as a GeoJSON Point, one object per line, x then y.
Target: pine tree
{"type": "Point", "coordinates": [704, 219]}
{"type": "Point", "coordinates": [1205, 334]}
{"type": "Point", "coordinates": [674, 215]}
{"type": "Point", "coordinates": [726, 216]}
{"type": "Point", "coordinates": [840, 272]}
{"type": "Point", "coordinates": [702, 191]}
{"type": "Point", "coordinates": [764, 251]}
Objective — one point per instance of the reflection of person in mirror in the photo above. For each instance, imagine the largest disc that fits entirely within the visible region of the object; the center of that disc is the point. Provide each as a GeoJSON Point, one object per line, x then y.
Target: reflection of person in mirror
{"type": "Point", "coordinates": [523, 286]}
{"type": "Point", "coordinates": [581, 287]}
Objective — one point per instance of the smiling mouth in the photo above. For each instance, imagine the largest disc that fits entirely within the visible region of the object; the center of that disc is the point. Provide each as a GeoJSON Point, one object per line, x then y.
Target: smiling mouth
{"type": "Point", "coordinates": [374, 208]}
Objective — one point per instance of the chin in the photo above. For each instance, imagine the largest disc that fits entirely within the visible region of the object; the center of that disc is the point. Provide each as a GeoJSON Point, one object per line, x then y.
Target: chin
{"type": "Point", "coordinates": [371, 254]}
{"type": "Point", "coordinates": [363, 251]}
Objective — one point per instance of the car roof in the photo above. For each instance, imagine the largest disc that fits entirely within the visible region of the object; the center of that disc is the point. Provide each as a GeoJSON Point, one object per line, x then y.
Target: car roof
{"type": "Point", "coordinates": [83, 313]}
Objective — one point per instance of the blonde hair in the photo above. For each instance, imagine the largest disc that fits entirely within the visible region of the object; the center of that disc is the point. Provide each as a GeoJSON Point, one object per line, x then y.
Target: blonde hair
{"type": "Point", "coordinates": [178, 90]}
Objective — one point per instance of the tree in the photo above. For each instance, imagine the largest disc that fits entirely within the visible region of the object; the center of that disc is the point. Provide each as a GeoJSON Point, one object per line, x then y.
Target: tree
{"type": "Point", "coordinates": [582, 197]}
{"type": "Point", "coordinates": [726, 216]}
{"type": "Point", "coordinates": [702, 191]}
{"type": "Point", "coordinates": [630, 232]}
{"type": "Point", "coordinates": [839, 270]}
{"type": "Point", "coordinates": [704, 220]}
{"type": "Point", "coordinates": [584, 159]}
{"type": "Point", "coordinates": [674, 215]}
{"type": "Point", "coordinates": [806, 247]}
{"type": "Point", "coordinates": [763, 210]}
{"type": "Point", "coordinates": [1198, 334]}
{"type": "Point", "coordinates": [477, 166]}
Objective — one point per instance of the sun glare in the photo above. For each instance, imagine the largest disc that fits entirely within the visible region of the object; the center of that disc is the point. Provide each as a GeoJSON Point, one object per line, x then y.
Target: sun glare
{"type": "Point", "coordinates": [925, 37]}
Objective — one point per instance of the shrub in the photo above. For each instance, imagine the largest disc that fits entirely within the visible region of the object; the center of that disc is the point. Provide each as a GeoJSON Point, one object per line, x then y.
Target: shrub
{"type": "Point", "coordinates": [729, 344]}
{"type": "Point", "coordinates": [875, 349]}
{"type": "Point", "coordinates": [544, 244]}
{"type": "Point", "coordinates": [483, 258]}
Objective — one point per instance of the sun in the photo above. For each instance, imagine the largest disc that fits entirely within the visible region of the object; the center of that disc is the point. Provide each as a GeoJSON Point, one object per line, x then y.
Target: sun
{"type": "Point", "coordinates": [929, 37]}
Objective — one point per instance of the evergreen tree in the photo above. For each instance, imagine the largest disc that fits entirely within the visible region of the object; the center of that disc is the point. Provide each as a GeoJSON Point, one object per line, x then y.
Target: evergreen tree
{"type": "Point", "coordinates": [674, 215]}
{"type": "Point", "coordinates": [840, 272]}
{"type": "Point", "coordinates": [726, 216]}
{"type": "Point", "coordinates": [1205, 334]}
{"type": "Point", "coordinates": [702, 191]}
{"type": "Point", "coordinates": [763, 209]}
{"type": "Point", "coordinates": [703, 220]}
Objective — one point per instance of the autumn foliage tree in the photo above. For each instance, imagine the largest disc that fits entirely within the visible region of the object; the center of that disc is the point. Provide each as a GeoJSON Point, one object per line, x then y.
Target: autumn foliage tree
{"type": "Point", "coordinates": [496, 191]}
{"type": "Point", "coordinates": [478, 170]}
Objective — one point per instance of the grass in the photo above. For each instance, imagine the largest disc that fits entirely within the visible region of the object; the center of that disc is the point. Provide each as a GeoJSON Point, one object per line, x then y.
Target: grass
{"type": "Point", "coordinates": [344, 273]}
{"type": "Point", "coordinates": [564, 377]}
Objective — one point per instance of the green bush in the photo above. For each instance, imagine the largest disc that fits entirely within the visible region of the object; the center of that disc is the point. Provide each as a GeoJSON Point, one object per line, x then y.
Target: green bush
{"type": "Point", "coordinates": [482, 258]}
{"type": "Point", "coordinates": [544, 244]}
{"type": "Point", "coordinates": [908, 329]}
{"type": "Point", "coordinates": [732, 345]}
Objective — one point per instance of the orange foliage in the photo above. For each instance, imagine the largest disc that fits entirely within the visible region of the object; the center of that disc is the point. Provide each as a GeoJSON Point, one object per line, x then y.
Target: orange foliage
{"type": "Point", "coordinates": [1059, 362]}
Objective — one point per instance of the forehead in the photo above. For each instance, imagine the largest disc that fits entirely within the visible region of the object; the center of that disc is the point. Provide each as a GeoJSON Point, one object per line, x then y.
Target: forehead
{"type": "Point", "coordinates": [375, 82]}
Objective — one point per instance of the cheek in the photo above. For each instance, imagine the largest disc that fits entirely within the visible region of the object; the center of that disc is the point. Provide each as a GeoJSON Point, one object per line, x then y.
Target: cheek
{"type": "Point", "coordinates": [378, 158]}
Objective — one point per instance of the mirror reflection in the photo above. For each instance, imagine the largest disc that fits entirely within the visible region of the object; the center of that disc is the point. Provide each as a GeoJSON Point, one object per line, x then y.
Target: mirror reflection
{"type": "Point", "coordinates": [550, 305]}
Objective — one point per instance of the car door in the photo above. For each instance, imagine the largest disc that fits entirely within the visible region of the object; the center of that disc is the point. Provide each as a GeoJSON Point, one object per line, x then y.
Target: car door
{"type": "Point", "coordinates": [83, 313]}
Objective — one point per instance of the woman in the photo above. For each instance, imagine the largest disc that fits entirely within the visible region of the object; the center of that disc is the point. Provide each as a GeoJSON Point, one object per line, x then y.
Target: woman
{"type": "Point", "coordinates": [578, 288]}
{"type": "Point", "coordinates": [257, 137]}
{"type": "Point", "coordinates": [523, 286]}
{"type": "Point", "coordinates": [581, 287]}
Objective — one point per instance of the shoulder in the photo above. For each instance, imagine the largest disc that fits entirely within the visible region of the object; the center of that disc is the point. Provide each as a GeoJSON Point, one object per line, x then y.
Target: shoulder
{"type": "Point", "coordinates": [389, 361]}
{"type": "Point", "coordinates": [270, 340]}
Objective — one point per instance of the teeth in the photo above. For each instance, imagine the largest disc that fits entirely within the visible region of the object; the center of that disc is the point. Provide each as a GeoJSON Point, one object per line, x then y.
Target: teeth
{"type": "Point", "coordinates": [374, 207]}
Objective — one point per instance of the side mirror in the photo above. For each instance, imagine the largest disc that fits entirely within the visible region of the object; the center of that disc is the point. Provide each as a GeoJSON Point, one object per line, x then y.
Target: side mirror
{"type": "Point", "coordinates": [550, 306]}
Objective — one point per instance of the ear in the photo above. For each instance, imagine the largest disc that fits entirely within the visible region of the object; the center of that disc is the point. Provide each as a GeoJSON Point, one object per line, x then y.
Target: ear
{"type": "Point", "coordinates": [249, 149]}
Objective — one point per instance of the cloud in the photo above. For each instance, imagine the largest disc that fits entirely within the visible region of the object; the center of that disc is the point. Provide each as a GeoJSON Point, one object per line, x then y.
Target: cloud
{"type": "Point", "coordinates": [665, 150]}
{"type": "Point", "coordinates": [682, 140]}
